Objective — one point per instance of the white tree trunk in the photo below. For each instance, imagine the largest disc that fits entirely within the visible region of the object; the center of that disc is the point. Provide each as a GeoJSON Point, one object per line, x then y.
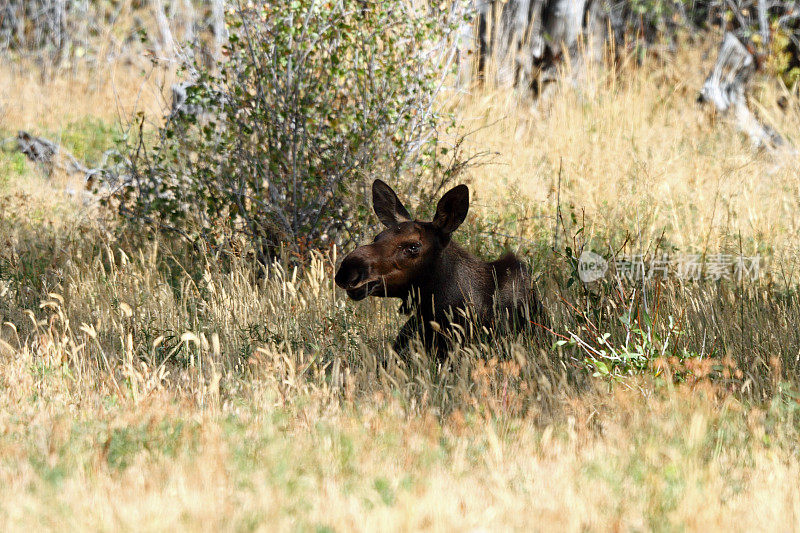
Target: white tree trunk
{"type": "Point", "coordinates": [188, 21]}
{"type": "Point", "coordinates": [167, 41]}
{"type": "Point", "coordinates": [220, 33]}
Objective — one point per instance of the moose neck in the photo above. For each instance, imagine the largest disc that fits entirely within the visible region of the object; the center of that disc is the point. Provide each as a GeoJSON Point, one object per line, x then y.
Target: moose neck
{"type": "Point", "coordinates": [455, 280]}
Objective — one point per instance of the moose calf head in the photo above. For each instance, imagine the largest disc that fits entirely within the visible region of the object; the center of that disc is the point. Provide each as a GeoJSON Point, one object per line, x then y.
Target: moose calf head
{"type": "Point", "coordinates": [402, 255]}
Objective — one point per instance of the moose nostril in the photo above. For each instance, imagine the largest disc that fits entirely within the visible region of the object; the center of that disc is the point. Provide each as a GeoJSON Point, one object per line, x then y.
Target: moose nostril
{"type": "Point", "coordinates": [354, 278]}
{"type": "Point", "coordinates": [349, 275]}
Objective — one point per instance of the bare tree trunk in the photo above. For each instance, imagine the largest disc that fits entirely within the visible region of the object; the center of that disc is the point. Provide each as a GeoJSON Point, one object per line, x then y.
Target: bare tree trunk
{"type": "Point", "coordinates": [535, 36]}
{"type": "Point", "coordinates": [563, 24]}
{"type": "Point", "coordinates": [763, 23]}
{"type": "Point", "coordinates": [596, 30]}
{"type": "Point", "coordinates": [60, 27]}
{"type": "Point", "coordinates": [20, 23]}
{"type": "Point", "coordinates": [561, 30]}
{"type": "Point", "coordinates": [514, 19]}
{"type": "Point", "coordinates": [465, 47]}
{"type": "Point", "coordinates": [218, 24]}
{"type": "Point", "coordinates": [167, 42]}
{"type": "Point", "coordinates": [511, 36]}
{"type": "Point", "coordinates": [188, 21]}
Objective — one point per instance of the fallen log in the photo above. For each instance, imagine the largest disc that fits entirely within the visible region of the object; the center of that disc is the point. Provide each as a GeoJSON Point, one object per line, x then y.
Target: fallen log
{"type": "Point", "coordinates": [50, 155]}
{"type": "Point", "coordinates": [37, 149]}
{"type": "Point", "coordinates": [725, 88]}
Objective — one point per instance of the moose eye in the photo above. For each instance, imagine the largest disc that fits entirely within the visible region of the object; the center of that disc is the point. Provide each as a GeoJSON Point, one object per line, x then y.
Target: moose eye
{"type": "Point", "coordinates": [412, 249]}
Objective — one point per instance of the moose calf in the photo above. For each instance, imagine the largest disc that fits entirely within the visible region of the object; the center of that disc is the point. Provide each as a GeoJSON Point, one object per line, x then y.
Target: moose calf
{"type": "Point", "coordinates": [440, 283]}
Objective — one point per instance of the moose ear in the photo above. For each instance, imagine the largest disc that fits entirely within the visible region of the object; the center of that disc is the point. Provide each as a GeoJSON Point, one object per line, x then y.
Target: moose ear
{"type": "Point", "coordinates": [452, 209]}
{"type": "Point", "coordinates": [387, 205]}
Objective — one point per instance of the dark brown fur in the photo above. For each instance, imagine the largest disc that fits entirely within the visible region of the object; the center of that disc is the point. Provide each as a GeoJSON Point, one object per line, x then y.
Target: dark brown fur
{"type": "Point", "coordinates": [440, 283]}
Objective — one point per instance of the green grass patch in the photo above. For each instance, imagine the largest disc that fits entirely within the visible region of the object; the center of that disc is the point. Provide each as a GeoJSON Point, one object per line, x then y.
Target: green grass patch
{"type": "Point", "coordinates": [12, 166]}
{"type": "Point", "coordinates": [89, 137]}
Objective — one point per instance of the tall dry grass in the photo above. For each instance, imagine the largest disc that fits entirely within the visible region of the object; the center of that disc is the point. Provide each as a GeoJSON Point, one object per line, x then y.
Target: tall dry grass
{"type": "Point", "coordinates": [639, 156]}
{"type": "Point", "coordinates": [104, 426]}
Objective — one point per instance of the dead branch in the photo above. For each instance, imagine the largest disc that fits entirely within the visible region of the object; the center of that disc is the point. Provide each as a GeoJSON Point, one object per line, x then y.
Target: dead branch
{"type": "Point", "coordinates": [725, 87]}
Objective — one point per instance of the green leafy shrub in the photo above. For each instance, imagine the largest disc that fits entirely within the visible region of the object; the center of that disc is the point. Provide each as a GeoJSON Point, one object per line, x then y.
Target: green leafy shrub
{"type": "Point", "coordinates": [279, 145]}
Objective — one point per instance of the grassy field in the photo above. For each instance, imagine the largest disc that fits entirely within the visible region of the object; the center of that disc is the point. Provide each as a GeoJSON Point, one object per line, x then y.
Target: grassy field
{"type": "Point", "coordinates": [144, 390]}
